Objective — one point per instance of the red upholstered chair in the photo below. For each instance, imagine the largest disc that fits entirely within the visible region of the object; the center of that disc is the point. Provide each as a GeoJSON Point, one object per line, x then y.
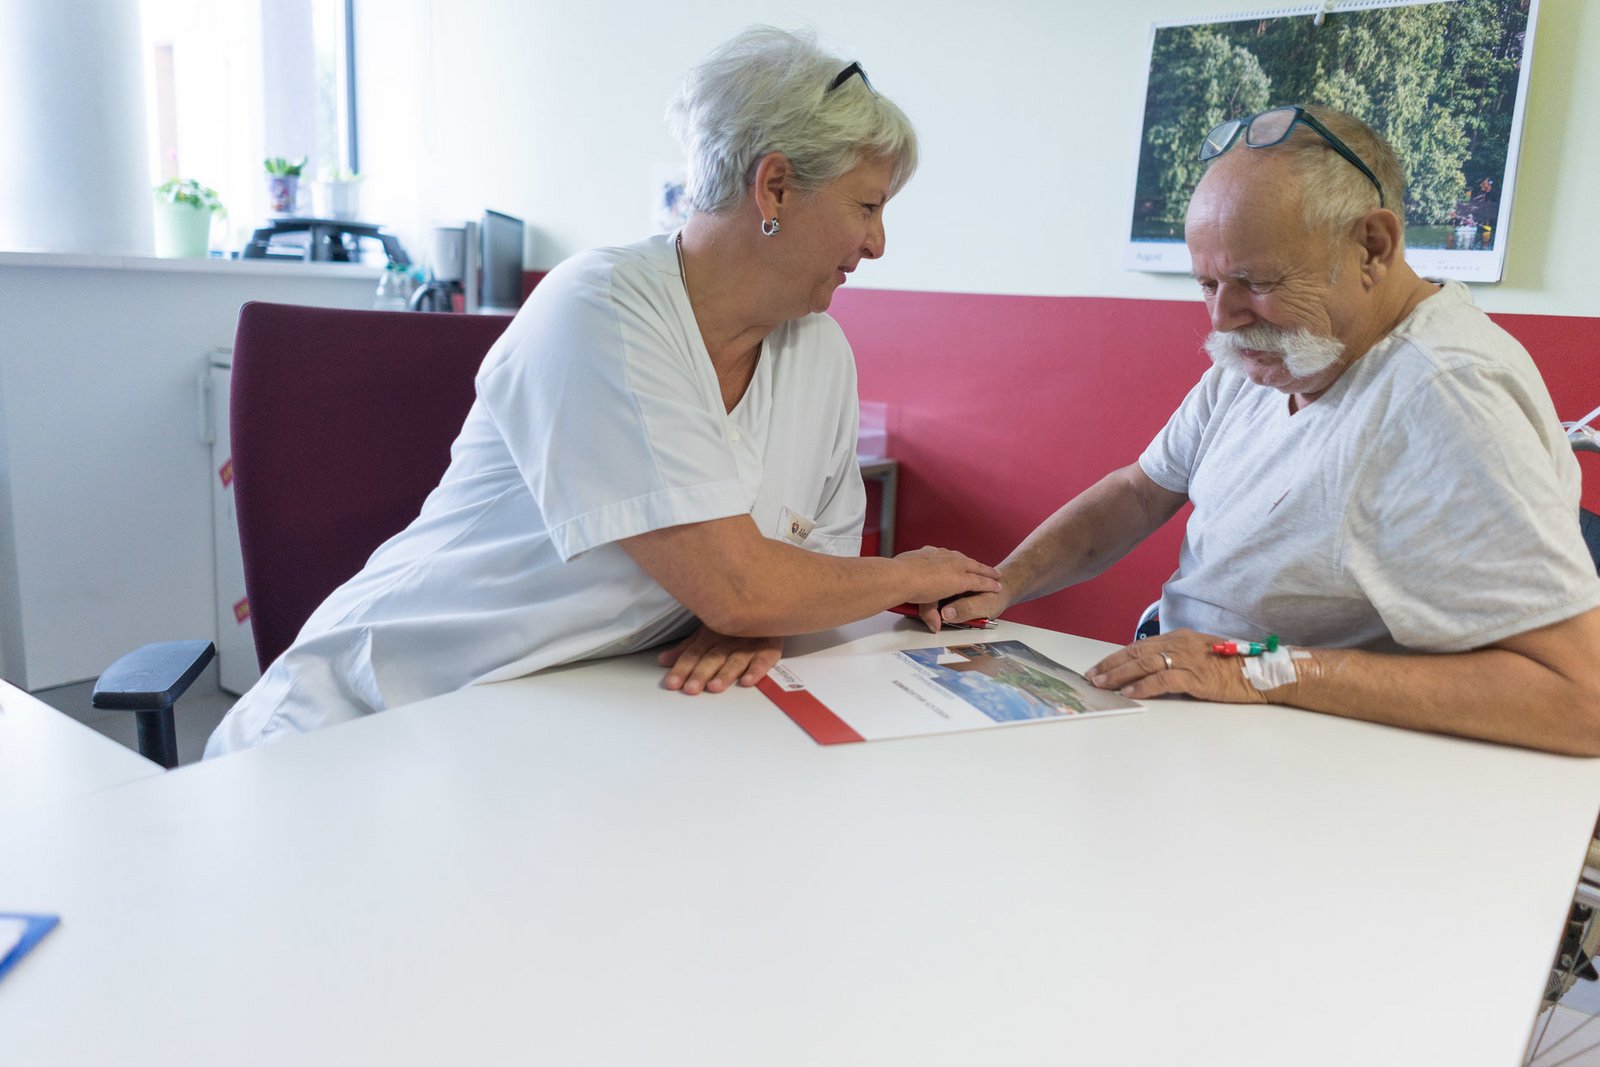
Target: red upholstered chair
{"type": "Point", "coordinates": [341, 424]}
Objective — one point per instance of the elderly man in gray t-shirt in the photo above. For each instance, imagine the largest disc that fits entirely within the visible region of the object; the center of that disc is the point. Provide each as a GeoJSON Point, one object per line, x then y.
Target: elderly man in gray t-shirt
{"type": "Point", "coordinates": [1377, 472]}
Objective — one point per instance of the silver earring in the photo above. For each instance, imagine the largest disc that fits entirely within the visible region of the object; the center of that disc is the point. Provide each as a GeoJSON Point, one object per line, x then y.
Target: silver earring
{"type": "Point", "coordinates": [769, 227]}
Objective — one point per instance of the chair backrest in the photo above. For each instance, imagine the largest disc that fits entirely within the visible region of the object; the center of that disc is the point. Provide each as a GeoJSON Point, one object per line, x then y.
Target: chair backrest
{"type": "Point", "coordinates": [341, 424]}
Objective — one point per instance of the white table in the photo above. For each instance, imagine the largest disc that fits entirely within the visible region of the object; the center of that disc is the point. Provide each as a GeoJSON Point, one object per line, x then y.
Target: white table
{"type": "Point", "coordinates": [47, 756]}
{"type": "Point", "coordinates": [581, 868]}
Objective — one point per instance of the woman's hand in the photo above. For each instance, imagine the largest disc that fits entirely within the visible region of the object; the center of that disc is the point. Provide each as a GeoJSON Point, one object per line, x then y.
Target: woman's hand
{"type": "Point", "coordinates": [709, 661]}
{"type": "Point", "coordinates": [986, 603]}
{"type": "Point", "coordinates": [935, 574]}
{"type": "Point", "coordinates": [1178, 662]}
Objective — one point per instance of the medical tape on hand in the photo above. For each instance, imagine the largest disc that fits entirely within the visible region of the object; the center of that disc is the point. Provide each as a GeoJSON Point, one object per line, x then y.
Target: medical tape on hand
{"type": "Point", "coordinates": [1272, 669]}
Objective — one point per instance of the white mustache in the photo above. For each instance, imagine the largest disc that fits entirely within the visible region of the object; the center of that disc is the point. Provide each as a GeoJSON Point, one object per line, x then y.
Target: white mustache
{"type": "Point", "coordinates": [1304, 353]}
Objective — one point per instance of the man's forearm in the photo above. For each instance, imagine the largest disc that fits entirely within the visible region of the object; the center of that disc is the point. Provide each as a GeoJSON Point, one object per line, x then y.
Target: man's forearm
{"type": "Point", "coordinates": [1492, 694]}
{"type": "Point", "coordinates": [1538, 689]}
{"type": "Point", "coordinates": [1088, 534]}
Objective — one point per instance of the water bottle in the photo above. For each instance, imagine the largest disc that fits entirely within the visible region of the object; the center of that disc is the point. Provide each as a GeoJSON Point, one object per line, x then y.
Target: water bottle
{"type": "Point", "coordinates": [391, 294]}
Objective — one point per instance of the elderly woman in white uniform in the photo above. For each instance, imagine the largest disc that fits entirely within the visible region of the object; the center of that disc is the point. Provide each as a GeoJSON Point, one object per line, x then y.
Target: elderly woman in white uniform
{"type": "Point", "coordinates": [663, 442]}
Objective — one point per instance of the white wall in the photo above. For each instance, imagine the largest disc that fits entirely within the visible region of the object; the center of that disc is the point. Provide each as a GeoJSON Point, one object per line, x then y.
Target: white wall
{"type": "Point", "coordinates": [1028, 114]}
{"type": "Point", "coordinates": [105, 499]}
{"type": "Point", "coordinates": [72, 126]}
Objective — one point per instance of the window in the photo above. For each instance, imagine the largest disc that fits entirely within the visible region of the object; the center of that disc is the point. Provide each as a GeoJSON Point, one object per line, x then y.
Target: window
{"type": "Point", "coordinates": [230, 83]}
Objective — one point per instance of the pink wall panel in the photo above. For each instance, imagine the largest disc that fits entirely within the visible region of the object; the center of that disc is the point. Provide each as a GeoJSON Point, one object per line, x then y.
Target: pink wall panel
{"type": "Point", "coordinates": [1004, 407]}
{"type": "Point", "coordinates": [1567, 350]}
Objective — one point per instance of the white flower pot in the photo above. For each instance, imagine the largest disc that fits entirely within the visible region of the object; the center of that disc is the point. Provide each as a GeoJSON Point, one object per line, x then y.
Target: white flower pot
{"type": "Point", "coordinates": [182, 230]}
{"type": "Point", "coordinates": [338, 200]}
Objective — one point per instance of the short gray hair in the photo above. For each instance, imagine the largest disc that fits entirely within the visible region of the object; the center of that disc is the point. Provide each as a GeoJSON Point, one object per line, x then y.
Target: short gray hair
{"type": "Point", "coordinates": [767, 90]}
{"type": "Point", "coordinates": [1334, 193]}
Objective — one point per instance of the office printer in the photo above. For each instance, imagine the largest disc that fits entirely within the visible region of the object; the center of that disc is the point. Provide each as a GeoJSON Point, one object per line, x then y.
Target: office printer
{"type": "Point", "coordinates": [321, 241]}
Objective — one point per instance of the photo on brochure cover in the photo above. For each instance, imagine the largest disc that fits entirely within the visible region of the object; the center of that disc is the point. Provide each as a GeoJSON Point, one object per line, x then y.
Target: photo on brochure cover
{"type": "Point", "coordinates": [1010, 682]}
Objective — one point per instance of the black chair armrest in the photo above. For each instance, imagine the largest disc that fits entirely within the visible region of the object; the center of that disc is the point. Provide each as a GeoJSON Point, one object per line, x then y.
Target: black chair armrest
{"type": "Point", "coordinates": [149, 681]}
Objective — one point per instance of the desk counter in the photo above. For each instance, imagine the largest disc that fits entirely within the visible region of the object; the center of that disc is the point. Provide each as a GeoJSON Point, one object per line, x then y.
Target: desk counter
{"type": "Point", "coordinates": [46, 756]}
{"type": "Point", "coordinates": [581, 868]}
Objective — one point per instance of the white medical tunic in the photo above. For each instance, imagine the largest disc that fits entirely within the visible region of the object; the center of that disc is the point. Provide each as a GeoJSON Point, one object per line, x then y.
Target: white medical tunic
{"type": "Point", "coordinates": [598, 417]}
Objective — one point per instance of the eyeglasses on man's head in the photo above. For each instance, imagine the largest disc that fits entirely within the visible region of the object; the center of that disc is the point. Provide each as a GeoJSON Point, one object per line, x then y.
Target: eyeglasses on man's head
{"type": "Point", "coordinates": [1274, 127]}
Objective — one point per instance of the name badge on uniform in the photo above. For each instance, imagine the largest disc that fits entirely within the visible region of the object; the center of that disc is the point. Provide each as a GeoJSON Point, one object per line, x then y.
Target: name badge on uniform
{"type": "Point", "coordinates": [794, 527]}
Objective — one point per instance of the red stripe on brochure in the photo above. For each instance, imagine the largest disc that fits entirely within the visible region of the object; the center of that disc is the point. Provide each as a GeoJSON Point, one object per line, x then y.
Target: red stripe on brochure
{"type": "Point", "coordinates": [809, 714]}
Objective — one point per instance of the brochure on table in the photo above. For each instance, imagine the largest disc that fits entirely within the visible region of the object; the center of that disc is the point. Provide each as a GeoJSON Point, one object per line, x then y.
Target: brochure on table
{"type": "Point", "coordinates": [18, 935]}
{"type": "Point", "coordinates": [973, 685]}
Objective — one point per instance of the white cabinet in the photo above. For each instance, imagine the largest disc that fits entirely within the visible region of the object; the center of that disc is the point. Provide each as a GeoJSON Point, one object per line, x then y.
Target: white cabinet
{"type": "Point", "coordinates": [236, 648]}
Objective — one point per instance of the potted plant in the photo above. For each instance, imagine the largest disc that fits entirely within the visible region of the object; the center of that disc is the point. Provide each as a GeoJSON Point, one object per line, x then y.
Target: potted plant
{"type": "Point", "coordinates": [338, 194]}
{"type": "Point", "coordinates": [283, 183]}
{"type": "Point", "coordinates": [183, 213]}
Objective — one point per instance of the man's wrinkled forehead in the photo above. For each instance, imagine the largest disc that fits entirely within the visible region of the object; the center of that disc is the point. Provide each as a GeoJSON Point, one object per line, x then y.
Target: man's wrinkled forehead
{"type": "Point", "coordinates": [1242, 200]}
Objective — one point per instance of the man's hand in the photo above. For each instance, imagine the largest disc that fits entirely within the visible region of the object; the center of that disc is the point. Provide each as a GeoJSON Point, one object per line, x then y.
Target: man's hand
{"type": "Point", "coordinates": [964, 608]}
{"type": "Point", "coordinates": [1178, 662]}
{"type": "Point", "coordinates": [709, 661]}
{"type": "Point", "coordinates": [1537, 689]}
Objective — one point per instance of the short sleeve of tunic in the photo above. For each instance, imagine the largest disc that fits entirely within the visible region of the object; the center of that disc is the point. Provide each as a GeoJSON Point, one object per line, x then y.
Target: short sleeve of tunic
{"type": "Point", "coordinates": [607, 404]}
{"type": "Point", "coordinates": [843, 498]}
{"type": "Point", "coordinates": [1172, 456]}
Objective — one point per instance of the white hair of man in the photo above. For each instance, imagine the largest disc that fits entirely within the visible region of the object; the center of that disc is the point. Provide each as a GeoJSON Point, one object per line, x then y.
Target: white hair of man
{"type": "Point", "coordinates": [768, 90]}
{"type": "Point", "coordinates": [1335, 193]}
